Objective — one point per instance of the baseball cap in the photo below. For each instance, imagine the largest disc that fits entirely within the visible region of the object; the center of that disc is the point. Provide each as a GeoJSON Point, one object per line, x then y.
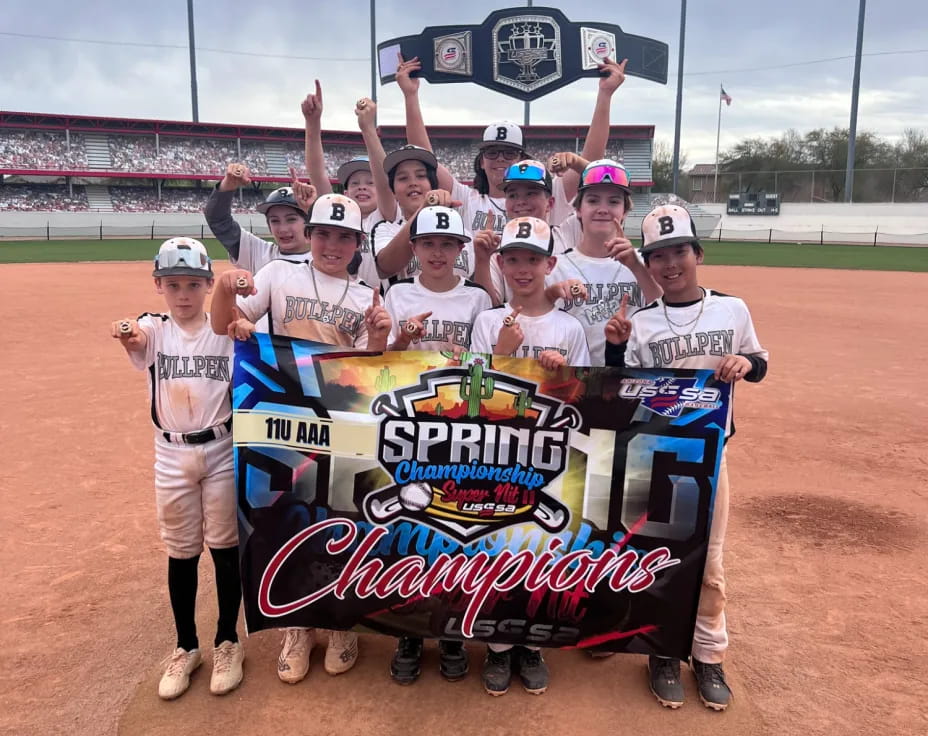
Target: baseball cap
{"type": "Point", "coordinates": [282, 196]}
{"type": "Point", "coordinates": [603, 171]}
{"type": "Point", "coordinates": [437, 220]}
{"type": "Point", "coordinates": [182, 257]}
{"type": "Point", "coordinates": [409, 153]}
{"type": "Point", "coordinates": [667, 225]}
{"type": "Point", "coordinates": [359, 163]}
{"type": "Point", "coordinates": [529, 233]}
{"type": "Point", "coordinates": [336, 210]}
{"type": "Point", "coordinates": [530, 172]}
{"type": "Point", "coordinates": [502, 133]}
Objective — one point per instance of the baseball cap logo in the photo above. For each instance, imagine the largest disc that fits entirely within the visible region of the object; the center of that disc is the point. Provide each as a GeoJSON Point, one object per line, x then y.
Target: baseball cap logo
{"type": "Point", "coordinates": [442, 221]}
{"type": "Point", "coordinates": [501, 133]}
{"type": "Point", "coordinates": [666, 223]}
{"type": "Point", "coordinates": [525, 230]}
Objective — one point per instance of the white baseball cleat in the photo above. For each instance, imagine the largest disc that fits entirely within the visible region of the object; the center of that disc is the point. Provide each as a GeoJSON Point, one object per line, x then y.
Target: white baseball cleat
{"type": "Point", "coordinates": [227, 667]}
{"type": "Point", "coordinates": [342, 652]}
{"type": "Point", "coordinates": [293, 662]}
{"type": "Point", "coordinates": [176, 678]}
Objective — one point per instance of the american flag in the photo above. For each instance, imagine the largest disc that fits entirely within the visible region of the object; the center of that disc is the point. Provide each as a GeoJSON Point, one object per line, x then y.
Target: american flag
{"type": "Point", "coordinates": [726, 96]}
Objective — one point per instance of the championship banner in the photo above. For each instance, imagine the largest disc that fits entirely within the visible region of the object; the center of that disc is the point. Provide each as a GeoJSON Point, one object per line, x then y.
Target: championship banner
{"type": "Point", "coordinates": [523, 52]}
{"type": "Point", "coordinates": [484, 499]}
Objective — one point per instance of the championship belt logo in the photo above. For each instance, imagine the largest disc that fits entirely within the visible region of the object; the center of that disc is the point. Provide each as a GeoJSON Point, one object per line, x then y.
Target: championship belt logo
{"type": "Point", "coordinates": [527, 52]}
{"type": "Point", "coordinates": [453, 54]}
{"type": "Point", "coordinates": [471, 451]}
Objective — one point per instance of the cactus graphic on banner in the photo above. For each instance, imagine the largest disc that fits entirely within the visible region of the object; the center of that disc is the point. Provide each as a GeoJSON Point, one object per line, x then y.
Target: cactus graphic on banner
{"type": "Point", "coordinates": [475, 388]}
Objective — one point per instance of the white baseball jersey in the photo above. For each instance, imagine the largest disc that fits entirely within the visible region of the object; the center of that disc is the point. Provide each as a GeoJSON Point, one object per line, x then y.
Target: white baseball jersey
{"type": "Point", "coordinates": [453, 312]}
{"type": "Point", "coordinates": [254, 253]}
{"type": "Point", "coordinates": [189, 373]}
{"type": "Point", "coordinates": [287, 294]}
{"type": "Point", "coordinates": [563, 209]}
{"type": "Point", "coordinates": [555, 330]}
{"type": "Point", "coordinates": [606, 280]}
{"type": "Point", "coordinates": [476, 206]}
{"type": "Point", "coordinates": [712, 328]}
{"type": "Point", "coordinates": [566, 237]}
{"type": "Point", "coordinates": [386, 231]}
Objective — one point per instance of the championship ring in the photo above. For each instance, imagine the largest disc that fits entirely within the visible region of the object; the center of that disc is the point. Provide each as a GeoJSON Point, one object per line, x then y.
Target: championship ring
{"type": "Point", "coordinates": [362, 103]}
{"type": "Point", "coordinates": [238, 171]}
{"type": "Point", "coordinates": [411, 328]}
{"type": "Point", "coordinates": [576, 289]}
{"type": "Point", "coordinates": [125, 327]}
{"type": "Point", "coordinates": [555, 162]}
{"type": "Point", "coordinates": [432, 199]}
{"type": "Point", "coordinates": [241, 282]}
{"type": "Point", "coordinates": [509, 321]}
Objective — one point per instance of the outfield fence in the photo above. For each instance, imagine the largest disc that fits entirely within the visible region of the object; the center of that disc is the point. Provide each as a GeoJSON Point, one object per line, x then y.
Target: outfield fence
{"type": "Point", "coordinates": [708, 227]}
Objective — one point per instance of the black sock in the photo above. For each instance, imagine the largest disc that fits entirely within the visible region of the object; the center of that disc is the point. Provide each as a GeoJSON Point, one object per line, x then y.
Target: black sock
{"type": "Point", "coordinates": [228, 592]}
{"type": "Point", "coordinates": [182, 587]}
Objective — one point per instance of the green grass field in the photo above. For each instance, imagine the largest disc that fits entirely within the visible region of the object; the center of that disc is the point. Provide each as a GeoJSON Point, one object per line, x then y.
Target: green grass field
{"type": "Point", "coordinates": [725, 253]}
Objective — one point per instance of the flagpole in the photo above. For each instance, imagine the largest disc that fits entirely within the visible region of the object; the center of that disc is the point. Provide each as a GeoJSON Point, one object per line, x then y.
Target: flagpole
{"type": "Point", "coordinates": [718, 133]}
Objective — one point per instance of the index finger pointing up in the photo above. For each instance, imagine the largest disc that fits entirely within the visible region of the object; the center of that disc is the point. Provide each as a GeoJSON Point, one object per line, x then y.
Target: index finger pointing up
{"type": "Point", "coordinates": [293, 175]}
{"type": "Point", "coordinates": [318, 91]}
{"type": "Point", "coordinates": [376, 300]}
{"type": "Point", "coordinates": [491, 218]}
{"type": "Point", "coordinates": [623, 307]}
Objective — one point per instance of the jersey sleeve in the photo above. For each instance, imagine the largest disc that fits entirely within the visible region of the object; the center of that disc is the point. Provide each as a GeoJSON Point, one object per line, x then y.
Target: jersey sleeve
{"type": "Point", "coordinates": [254, 307]}
{"type": "Point", "coordinates": [481, 341]}
{"type": "Point", "coordinates": [633, 350]}
{"type": "Point", "coordinates": [151, 325]}
{"type": "Point", "coordinates": [750, 347]}
{"type": "Point", "coordinates": [360, 338]}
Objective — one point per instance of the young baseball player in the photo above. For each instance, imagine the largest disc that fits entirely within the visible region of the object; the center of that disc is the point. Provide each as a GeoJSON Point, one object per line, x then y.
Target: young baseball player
{"type": "Point", "coordinates": [690, 327]}
{"type": "Point", "coordinates": [189, 370]}
{"type": "Point", "coordinates": [314, 300]}
{"type": "Point", "coordinates": [592, 279]}
{"type": "Point", "coordinates": [412, 177]}
{"type": "Point", "coordinates": [528, 326]}
{"type": "Point", "coordinates": [285, 209]}
{"type": "Point", "coordinates": [434, 310]}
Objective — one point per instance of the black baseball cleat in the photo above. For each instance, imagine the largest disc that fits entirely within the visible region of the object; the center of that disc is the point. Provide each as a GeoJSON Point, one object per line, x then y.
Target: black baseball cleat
{"type": "Point", "coordinates": [713, 689]}
{"type": "Point", "coordinates": [406, 663]}
{"type": "Point", "coordinates": [452, 660]}
{"type": "Point", "coordinates": [532, 670]}
{"type": "Point", "coordinates": [497, 672]}
{"type": "Point", "coordinates": [664, 678]}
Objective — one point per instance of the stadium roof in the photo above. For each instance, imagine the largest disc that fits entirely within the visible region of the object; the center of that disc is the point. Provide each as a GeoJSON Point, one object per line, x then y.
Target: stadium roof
{"type": "Point", "coordinates": [134, 126]}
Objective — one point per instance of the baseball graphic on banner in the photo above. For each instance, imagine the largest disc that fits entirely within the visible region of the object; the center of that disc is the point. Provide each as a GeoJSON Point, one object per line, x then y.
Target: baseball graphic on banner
{"type": "Point", "coordinates": [416, 496]}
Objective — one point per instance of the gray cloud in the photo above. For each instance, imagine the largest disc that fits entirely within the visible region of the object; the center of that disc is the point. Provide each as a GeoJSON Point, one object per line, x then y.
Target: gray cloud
{"type": "Point", "coordinates": [62, 77]}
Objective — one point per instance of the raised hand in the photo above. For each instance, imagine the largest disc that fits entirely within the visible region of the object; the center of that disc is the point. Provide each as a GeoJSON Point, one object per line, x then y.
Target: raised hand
{"type": "Point", "coordinates": [366, 111]}
{"type": "Point", "coordinates": [568, 290]}
{"type": "Point", "coordinates": [378, 320]}
{"type": "Point", "coordinates": [620, 247]}
{"type": "Point", "coordinates": [127, 331]}
{"type": "Point", "coordinates": [408, 84]}
{"type": "Point", "coordinates": [311, 107]}
{"type": "Point", "coordinates": [239, 282]}
{"type": "Point", "coordinates": [440, 198]}
{"type": "Point", "coordinates": [733, 368]}
{"type": "Point", "coordinates": [414, 328]}
{"type": "Point", "coordinates": [237, 175]}
{"type": "Point", "coordinates": [564, 161]}
{"type": "Point", "coordinates": [612, 75]}
{"type": "Point", "coordinates": [486, 241]}
{"type": "Point", "coordinates": [510, 334]}
{"type": "Point", "coordinates": [303, 193]}
{"type": "Point", "coordinates": [619, 327]}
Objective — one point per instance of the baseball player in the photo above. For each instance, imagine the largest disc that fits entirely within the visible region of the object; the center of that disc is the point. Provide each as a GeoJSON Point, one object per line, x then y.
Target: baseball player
{"type": "Point", "coordinates": [528, 326]}
{"type": "Point", "coordinates": [189, 370]}
{"type": "Point", "coordinates": [285, 209]}
{"type": "Point", "coordinates": [690, 327]}
{"type": "Point", "coordinates": [412, 176]}
{"type": "Point", "coordinates": [434, 310]}
{"type": "Point", "coordinates": [592, 279]}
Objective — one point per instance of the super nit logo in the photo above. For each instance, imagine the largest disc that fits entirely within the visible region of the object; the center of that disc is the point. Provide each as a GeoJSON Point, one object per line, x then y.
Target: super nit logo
{"type": "Point", "coordinates": [470, 451]}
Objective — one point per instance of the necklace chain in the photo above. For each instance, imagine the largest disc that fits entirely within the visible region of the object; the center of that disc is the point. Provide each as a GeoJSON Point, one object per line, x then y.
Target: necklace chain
{"type": "Point", "coordinates": [685, 325]}
{"type": "Point", "coordinates": [312, 272]}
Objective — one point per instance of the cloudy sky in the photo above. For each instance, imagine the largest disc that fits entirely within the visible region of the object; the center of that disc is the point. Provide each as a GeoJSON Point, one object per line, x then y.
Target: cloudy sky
{"type": "Point", "coordinates": [725, 42]}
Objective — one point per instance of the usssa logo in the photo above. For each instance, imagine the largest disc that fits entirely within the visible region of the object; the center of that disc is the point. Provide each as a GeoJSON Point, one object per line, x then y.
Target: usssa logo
{"type": "Point", "coordinates": [470, 451]}
{"type": "Point", "coordinates": [668, 396]}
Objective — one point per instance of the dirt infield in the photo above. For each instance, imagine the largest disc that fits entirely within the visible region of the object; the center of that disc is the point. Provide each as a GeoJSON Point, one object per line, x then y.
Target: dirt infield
{"type": "Point", "coordinates": [825, 556]}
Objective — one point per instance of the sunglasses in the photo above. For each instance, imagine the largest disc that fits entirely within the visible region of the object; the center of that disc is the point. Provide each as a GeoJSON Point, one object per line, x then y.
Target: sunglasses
{"type": "Point", "coordinates": [182, 257]}
{"type": "Point", "coordinates": [507, 154]}
{"type": "Point", "coordinates": [526, 171]}
{"type": "Point", "coordinates": [605, 174]}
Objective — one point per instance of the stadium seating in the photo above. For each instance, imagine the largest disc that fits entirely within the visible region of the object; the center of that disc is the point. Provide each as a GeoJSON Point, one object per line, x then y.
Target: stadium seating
{"type": "Point", "coordinates": [31, 197]}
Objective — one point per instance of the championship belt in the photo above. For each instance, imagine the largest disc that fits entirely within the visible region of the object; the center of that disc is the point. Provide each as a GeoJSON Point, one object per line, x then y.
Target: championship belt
{"type": "Point", "coordinates": [523, 52]}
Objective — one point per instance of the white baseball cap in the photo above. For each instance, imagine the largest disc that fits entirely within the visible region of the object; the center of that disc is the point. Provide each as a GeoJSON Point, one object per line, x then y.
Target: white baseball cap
{"type": "Point", "coordinates": [502, 133]}
{"type": "Point", "coordinates": [529, 233]}
{"type": "Point", "coordinates": [336, 210]}
{"type": "Point", "coordinates": [437, 220]}
{"type": "Point", "coordinates": [183, 257]}
{"type": "Point", "coordinates": [666, 225]}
